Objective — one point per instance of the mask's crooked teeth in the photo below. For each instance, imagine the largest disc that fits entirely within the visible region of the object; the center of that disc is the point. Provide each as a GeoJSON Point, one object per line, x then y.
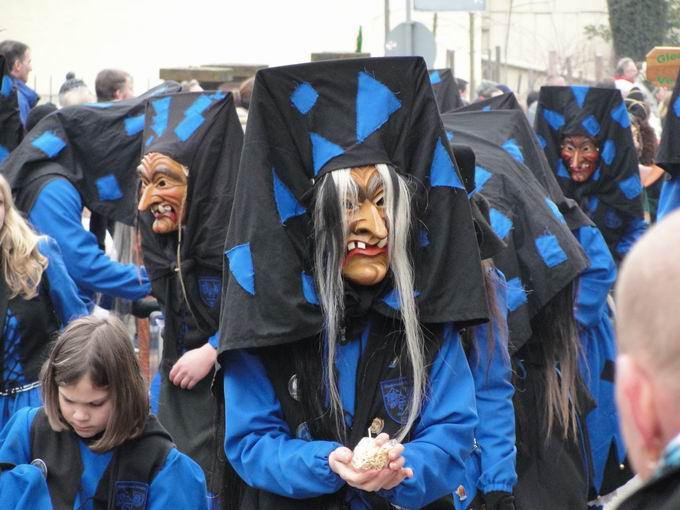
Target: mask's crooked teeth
{"type": "Point", "coordinates": [361, 246]}
{"type": "Point", "coordinates": [350, 246]}
{"type": "Point", "coordinates": [382, 243]}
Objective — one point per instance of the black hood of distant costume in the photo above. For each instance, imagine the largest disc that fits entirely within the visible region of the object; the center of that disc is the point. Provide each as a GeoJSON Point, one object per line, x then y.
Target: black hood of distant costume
{"type": "Point", "coordinates": [668, 154]}
{"type": "Point", "coordinates": [507, 101]}
{"type": "Point", "coordinates": [11, 130]}
{"type": "Point", "coordinates": [445, 89]}
{"type": "Point", "coordinates": [95, 146]}
{"type": "Point", "coordinates": [309, 119]}
{"type": "Point", "coordinates": [200, 130]}
{"type": "Point", "coordinates": [600, 114]}
{"type": "Point", "coordinates": [542, 256]}
{"type": "Point", "coordinates": [508, 127]}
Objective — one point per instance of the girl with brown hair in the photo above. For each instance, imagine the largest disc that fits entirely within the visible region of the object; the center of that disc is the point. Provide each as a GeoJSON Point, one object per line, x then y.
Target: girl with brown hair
{"type": "Point", "coordinates": [94, 438]}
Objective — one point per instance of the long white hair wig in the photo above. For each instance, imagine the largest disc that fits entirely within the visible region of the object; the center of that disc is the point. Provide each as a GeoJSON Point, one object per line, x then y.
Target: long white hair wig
{"type": "Point", "coordinates": [336, 191]}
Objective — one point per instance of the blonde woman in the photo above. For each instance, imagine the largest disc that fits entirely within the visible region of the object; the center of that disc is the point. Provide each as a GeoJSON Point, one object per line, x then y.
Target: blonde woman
{"type": "Point", "coordinates": [37, 297]}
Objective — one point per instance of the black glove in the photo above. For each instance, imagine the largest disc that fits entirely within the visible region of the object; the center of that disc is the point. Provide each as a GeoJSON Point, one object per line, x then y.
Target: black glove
{"type": "Point", "coordinates": [497, 500]}
{"type": "Point", "coordinates": [142, 308]}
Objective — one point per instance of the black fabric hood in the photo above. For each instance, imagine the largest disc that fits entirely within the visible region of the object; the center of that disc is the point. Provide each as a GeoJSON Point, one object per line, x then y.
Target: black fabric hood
{"type": "Point", "coordinates": [508, 128]}
{"type": "Point", "coordinates": [95, 146]}
{"type": "Point", "coordinates": [668, 154]}
{"type": "Point", "coordinates": [602, 115]}
{"type": "Point", "coordinates": [507, 101]}
{"type": "Point", "coordinates": [200, 130]}
{"type": "Point", "coordinates": [11, 130]}
{"type": "Point", "coordinates": [445, 89]}
{"type": "Point", "coordinates": [542, 255]}
{"type": "Point", "coordinates": [309, 119]}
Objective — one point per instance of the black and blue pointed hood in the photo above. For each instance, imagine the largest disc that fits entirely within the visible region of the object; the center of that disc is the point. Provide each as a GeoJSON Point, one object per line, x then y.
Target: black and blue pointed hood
{"type": "Point", "coordinates": [668, 154]}
{"type": "Point", "coordinates": [200, 130]}
{"type": "Point", "coordinates": [309, 119]}
{"type": "Point", "coordinates": [614, 190]}
{"type": "Point", "coordinates": [11, 129]}
{"type": "Point", "coordinates": [445, 89]}
{"type": "Point", "coordinates": [507, 101]}
{"type": "Point", "coordinates": [95, 146]}
{"type": "Point", "coordinates": [542, 256]}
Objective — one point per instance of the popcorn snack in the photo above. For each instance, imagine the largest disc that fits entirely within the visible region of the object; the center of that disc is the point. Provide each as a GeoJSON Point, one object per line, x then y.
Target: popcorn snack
{"type": "Point", "coordinates": [367, 455]}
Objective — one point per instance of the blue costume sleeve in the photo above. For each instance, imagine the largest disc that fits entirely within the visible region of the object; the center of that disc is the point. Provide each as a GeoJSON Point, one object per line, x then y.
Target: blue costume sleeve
{"type": "Point", "coordinates": [634, 230]}
{"type": "Point", "coordinates": [258, 441]}
{"type": "Point", "coordinates": [63, 291]}
{"type": "Point", "coordinates": [596, 281]}
{"type": "Point", "coordinates": [24, 488]}
{"type": "Point", "coordinates": [492, 373]}
{"type": "Point", "coordinates": [444, 435]}
{"type": "Point", "coordinates": [15, 438]}
{"type": "Point", "coordinates": [57, 212]}
{"type": "Point", "coordinates": [670, 197]}
{"type": "Point", "coordinates": [180, 483]}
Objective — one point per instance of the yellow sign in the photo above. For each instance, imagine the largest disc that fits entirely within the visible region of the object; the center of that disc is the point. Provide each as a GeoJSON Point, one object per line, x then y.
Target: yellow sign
{"type": "Point", "coordinates": [663, 64]}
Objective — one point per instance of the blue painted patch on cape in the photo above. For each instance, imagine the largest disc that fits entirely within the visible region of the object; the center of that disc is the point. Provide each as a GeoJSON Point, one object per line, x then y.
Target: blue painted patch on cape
{"type": "Point", "coordinates": [620, 115]}
{"type": "Point", "coordinates": [423, 238]}
{"type": "Point", "coordinates": [391, 299]}
{"type": "Point", "coordinates": [241, 266]}
{"type": "Point", "coordinates": [562, 170]}
{"type": "Point", "coordinates": [593, 204]}
{"type": "Point", "coordinates": [597, 173]}
{"type": "Point", "coordinates": [500, 223]}
{"type": "Point", "coordinates": [449, 136]}
{"type": "Point", "coordinates": [487, 108]}
{"type": "Point", "coordinates": [193, 116]}
{"type": "Point", "coordinates": [4, 152]}
{"type": "Point", "coordinates": [134, 125]}
{"type": "Point", "coordinates": [396, 394]}
{"type": "Point", "coordinates": [612, 219]}
{"type": "Point", "coordinates": [591, 125]}
{"type": "Point", "coordinates": [308, 289]}
{"type": "Point", "coordinates": [517, 296]}
{"type": "Point", "coordinates": [323, 151]}
{"type": "Point", "coordinates": [555, 210]}
{"type": "Point", "coordinates": [580, 94]}
{"type": "Point", "coordinates": [130, 495]}
{"type": "Point", "coordinates": [435, 78]}
{"type": "Point", "coordinates": [482, 175]}
{"type": "Point", "coordinates": [676, 107]}
{"type": "Point", "coordinates": [550, 250]}
{"type": "Point", "coordinates": [159, 123]}
{"type": "Point", "coordinates": [210, 287]}
{"type": "Point", "coordinates": [6, 88]}
{"type": "Point", "coordinates": [442, 171]}
{"type": "Point", "coordinates": [375, 104]}
{"type": "Point", "coordinates": [304, 97]}
{"type": "Point", "coordinates": [108, 188]}
{"type": "Point", "coordinates": [631, 187]}
{"type": "Point", "coordinates": [608, 152]}
{"type": "Point", "coordinates": [511, 147]}
{"type": "Point", "coordinates": [49, 143]}
{"type": "Point", "coordinates": [555, 120]}
{"type": "Point", "coordinates": [286, 203]}
{"type": "Point", "coordinates": [541, 141]}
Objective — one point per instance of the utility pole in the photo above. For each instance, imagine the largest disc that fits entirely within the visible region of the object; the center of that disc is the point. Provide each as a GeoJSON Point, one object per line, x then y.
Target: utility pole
{"type": "Point", "coordinates": [409, 29]}
{"type": "Point", "coordinates": [387, 19]}
{"type": "Point", "coordinates": [473, 84]}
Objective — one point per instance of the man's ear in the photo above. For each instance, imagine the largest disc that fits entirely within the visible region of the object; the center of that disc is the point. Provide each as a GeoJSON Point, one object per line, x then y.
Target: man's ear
{"type": "Point", "coordinates": [638, 391]}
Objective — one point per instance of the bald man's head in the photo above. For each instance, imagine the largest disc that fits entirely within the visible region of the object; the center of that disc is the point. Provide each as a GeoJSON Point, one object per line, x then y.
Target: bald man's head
{"type": "Point", "coordinates": [648, 331]}
{"type": "Point", "coordinates": [648, 299]}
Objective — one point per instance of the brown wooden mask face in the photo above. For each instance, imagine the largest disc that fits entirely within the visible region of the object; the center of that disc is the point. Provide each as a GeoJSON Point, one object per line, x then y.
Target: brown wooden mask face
{"type": "Point", "coordinates": [580, 154]}
{"type": "Point", "coordinates": [163, 191]}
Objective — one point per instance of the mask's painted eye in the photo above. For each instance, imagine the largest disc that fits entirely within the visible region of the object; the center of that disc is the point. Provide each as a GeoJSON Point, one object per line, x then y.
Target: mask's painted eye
{"type": "Point", "coordinates": [380, 201]}
{"type": "Point", "coordinates": [349, 205]}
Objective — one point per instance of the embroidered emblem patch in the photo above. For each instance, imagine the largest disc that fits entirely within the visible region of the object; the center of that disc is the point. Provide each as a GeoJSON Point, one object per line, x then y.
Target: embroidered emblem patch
{"type": "Point", "coordinates": [130, 495]}
{"type": "Point", "coordinates": [210, 287]}
{"type": "Point", "coordinates": [396, 394]}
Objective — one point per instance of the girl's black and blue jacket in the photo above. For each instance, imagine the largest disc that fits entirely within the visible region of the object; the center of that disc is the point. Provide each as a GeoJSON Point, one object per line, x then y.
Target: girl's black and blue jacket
{"type": "Point", "coordinates": [146, 473]}
{"type": "Point", "coordinates": [28, 328]}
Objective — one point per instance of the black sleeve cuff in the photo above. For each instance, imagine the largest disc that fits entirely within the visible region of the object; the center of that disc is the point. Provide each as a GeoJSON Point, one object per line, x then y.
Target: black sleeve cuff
{"type": "Point", "coordinates": [498, 500]}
